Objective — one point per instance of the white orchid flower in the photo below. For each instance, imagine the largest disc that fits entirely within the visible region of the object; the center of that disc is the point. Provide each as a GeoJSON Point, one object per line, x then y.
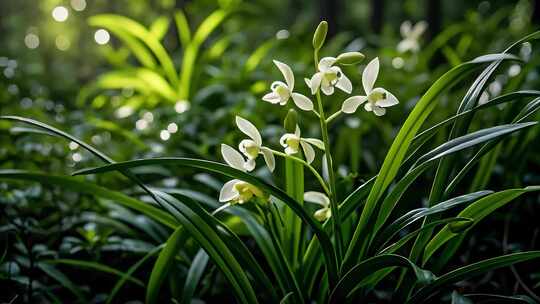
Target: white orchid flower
{"type": "Point", "coordinates": [282, 92]}
{"type": "Point", "coordinates": [292, 143]}
{"type": "Point", "coordinates": [252, 147]}
{"type": "Point", "coordinates": [320, 199]}
{"type": "Point", "coordinates": [377, 98]}
{"type": "Point", "coordinates": [236, 191]}
{"type": "Point", "coordinates": [411, 34]}
{"type": "Point", "coordinates": [328, 77]}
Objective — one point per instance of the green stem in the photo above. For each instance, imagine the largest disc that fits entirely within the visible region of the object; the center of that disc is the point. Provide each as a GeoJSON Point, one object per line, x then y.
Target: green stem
{"type": "Point", "coordinates": [333, 193]}
{"type": "Point", "coordinates": [303, 162]}
{"type": "Point", "coordinates": [333, 116]}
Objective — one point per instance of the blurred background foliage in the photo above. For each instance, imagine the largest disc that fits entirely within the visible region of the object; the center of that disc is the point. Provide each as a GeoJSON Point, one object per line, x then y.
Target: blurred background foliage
{"type": "Point", "coordinates": [169, 80]}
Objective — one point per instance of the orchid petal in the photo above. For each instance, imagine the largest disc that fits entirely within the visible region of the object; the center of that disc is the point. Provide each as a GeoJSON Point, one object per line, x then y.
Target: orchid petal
{"type": "Point", "coordinates": [389, 101]}
{"type": "Point", "coordinates": [370, 75]}
{"type": "Point", "coordinates": [344, 84]}
{"type": "Point", "coordinates": [302, 102]}
{"type": "Point", "coordinates": [379, 111]}
{"type": "Point", "coordinates": [272, 97]}
{"type": "Point", "coordinates": [249, 129]}
{"type": "Point", "coordinates": [327, 88]}
{"type": "Point", "coordinates": [269, 158]}
{"type": "Point", "coordinates": [405, 28]}
{"type": "Point", "coordinates": [232, 157]}
{"type": "Point", "coordinates": [287, 73]}
{"type": "Point", "coordinates": [315, 82]}
{"type": "Point", "coordinates": [326, 63]}
{"type": "Point", "coordinates": [309, 152]}
{"type": "Point", "coordinates": [249, 165]}
{"type": "Point", "coordinates": [316, 142]}
{"type": "Point", "coordinates": [317, 198]}
{"type": "Point", "coordinates": [351, 104]}
{"type": "Point", "coordinates": [227, 192]}
{"type": "Point", "coordinates": [418, 29]}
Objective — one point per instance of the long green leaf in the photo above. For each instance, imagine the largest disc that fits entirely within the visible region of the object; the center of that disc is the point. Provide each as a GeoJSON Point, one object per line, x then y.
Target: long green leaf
{"type": "Point", "coordinates": [112, 22]}
{"type": "Point", "coordinates": [476, 211]}
{"type": "Point", "coordinates": [401, 143]}
{"type": "Point", "coordinates": [194, 275]}
{"type": "Point", "coordinates": [234, 173]}
{"type": "Point", "coordinates": [353, 278]}
{"type": "Point", "coordinates": [470, 271]}
{"type": "Point", "coordinates": [163, 264]}
{"type": "Point", "coordinates": [75, 184]}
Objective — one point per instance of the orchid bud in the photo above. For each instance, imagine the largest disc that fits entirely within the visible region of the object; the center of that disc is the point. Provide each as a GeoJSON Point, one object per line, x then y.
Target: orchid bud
{"type": "Point", "coordinates": [320, 35]}
{"type": "Point", "coordinates": [291, 120]}
{"type": "Point", "coordinates": [350, 58]}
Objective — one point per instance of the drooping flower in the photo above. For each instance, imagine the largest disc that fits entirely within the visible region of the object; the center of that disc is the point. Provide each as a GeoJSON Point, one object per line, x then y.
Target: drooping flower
{"type": "Point", "coordinates": [282, 92]}
{"type": "Point", "coordinates": [252, 147]}
{"type": "Point", "coordinates": [328, 77]}
{"type": "Point", "coordinates": [411, 34]}
{"type": "Point", "coordinates": [292, 143]}
{"type": "Point", "coordinates": [237, 191]}
{"type": "Point", "coordinates": [377, 98]}
{"type": "Point", "coordinates": [320, 199]}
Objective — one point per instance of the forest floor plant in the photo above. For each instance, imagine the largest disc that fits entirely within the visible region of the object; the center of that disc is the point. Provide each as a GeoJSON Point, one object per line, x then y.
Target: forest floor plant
{"type": "Point", "coordinates": [352, 244]}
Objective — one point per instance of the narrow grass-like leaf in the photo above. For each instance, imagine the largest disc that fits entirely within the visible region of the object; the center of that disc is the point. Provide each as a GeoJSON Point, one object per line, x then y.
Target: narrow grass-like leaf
{"type": "Point", "coordinates": [61, 278]}
{"type": "Point", "coordinates": [418, 214]}
{"type": "Point", "coordinates": [470, 271]}
{"type": "Point", "coordinates": [234, 173]}
{"type": "Point", "coordinates": [353, 278]}
{"type": "Point", "coordinates": [75, 184]}
{"type": "Point", "coordinates": [163, 264]}
{"type": "Point", "coordinates": [130, 272]}
{"type": "Point", "coordinates": [182, 26]}
{"type": "Point", "coordinates": [476, 211]}
{"type": "Point", "coordinates": [93, 266]}
{"type": "Point", "coordinates": [137, 30]}
{"type": "Point", "coordinates": [401, 143]}
{"type": "Point", "coordinates": [194, 275]}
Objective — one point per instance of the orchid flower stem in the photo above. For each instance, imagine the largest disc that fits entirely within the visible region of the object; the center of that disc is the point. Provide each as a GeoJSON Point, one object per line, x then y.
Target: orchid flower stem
{"type": "Point", "coordinates": [331, 117]}
{"type": "Point", "coordinates": [332, 179]}
{"type": "Point", "coordinates": [316, 113]}
{"type": "Point", "coordinates": [303, 162]}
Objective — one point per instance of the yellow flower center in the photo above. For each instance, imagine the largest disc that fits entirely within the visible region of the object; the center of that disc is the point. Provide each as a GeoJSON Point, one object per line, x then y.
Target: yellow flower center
{"type": "Point", "coordinates": [282, 91]}
{"type": "Point", "coordinates": [246, 191]}
{"type": "Point", "coordinates": [331, 76]}
{"type": "Point", "coordinates": [252, 150]}
{"type": "Point", "coordinates": [293, 143]}
{"type": "Point", "coordinates": [375, 96]}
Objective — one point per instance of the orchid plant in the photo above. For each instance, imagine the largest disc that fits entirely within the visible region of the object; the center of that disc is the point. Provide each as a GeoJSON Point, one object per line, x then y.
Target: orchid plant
{"type": "Point", "coordinates": [354, 242]}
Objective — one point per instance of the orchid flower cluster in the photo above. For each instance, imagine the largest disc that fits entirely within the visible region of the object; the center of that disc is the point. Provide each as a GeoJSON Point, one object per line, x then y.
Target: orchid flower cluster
{"type": "Point", "coordinates": [328, 77]}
